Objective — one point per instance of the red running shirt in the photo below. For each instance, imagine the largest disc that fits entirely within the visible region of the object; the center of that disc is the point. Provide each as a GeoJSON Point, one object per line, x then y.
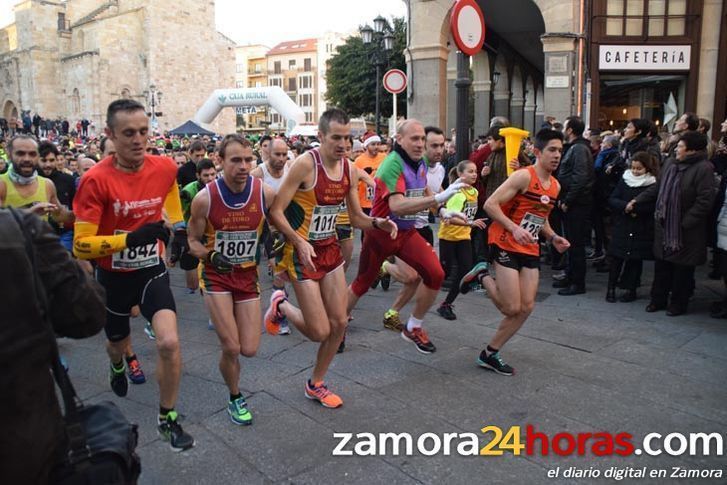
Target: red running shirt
{"type": "Point", "coordinates": [119, 201]}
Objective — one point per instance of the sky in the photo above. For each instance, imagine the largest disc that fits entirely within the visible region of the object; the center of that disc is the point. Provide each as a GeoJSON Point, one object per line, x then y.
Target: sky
{"type": "Point", "coordinates": [269, 22]}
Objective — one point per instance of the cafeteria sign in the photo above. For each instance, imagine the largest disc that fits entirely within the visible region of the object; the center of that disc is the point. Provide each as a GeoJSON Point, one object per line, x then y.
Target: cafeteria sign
{"type": "Point", "coordinates": [644, 57]}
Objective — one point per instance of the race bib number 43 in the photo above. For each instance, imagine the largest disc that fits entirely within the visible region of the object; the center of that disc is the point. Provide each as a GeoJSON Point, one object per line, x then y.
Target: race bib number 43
{"type": "Point", "coordinates": [238, 246]}
{"type": "Point", "coordinates": [136, 257]}
{"type": "Point", "coordinates": [323, 222]}
{"type": "Point", "coordinates": [532, 223]}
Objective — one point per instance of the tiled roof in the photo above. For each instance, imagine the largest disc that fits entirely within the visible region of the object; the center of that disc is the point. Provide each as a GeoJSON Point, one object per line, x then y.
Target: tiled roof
{"type": "Point", "coordinates": [293, 46]}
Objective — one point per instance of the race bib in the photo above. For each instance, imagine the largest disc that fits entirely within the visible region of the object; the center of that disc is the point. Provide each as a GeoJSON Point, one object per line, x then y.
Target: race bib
{"type": "Point", "coordinates": [237, 246]}
{"type": "Point", "coordinates": [532, 223]}
{"type": "Point", "coordinates": [137, 257]}
{"type": "Point", "coordinates": [470, 209]}
{"type": "Point", "coordinates": [369, 193]}
{"type": "Point", "coordinates": [323, 222]}
{"type": "Point", "coordinates": [412, 193]}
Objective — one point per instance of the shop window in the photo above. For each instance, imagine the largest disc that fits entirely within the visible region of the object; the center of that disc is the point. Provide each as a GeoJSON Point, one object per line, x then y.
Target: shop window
{"type": "Point", "coordinates": [637, 18]}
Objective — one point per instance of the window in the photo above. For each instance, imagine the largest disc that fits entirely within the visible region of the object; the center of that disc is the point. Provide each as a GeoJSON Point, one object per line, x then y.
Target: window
{"type": "Point", "coordinates": [292, 84]}
{"type": "Point", "coordinates": [291, 64]}
{"type": "Point", "coordinates": [309, 117]}
{"type": "Point", "coordinates": [240, 84]}
{"type": "Point", "coordinates": [258, 84]}
{"type": "Point", "coordinates": [241, 68]}
{"type": "Point", "coordinates": [276, 67]}
{"type": "Point", "coordinates": [276, 81]}
{"type": "Point", "coordinates": [258, 68]}
{"type": "Point", "coordinates": [75, 102]}
{"type": "Point", "coordinates": [653, 18]}
{"type": "Point", "coordinates": [305, 82]}
{"type": "Point", "coordinates": [62, 24]}
{"type": "Point", "coordinates": [305, 100]}
{"type": "Point", "coordinates": [307, 64]}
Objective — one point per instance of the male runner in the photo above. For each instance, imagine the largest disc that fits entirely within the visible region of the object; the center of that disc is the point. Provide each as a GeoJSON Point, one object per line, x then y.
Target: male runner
{"type": "Point", "coordinates": [401, 192]}
{"type": "Point", "coordinates": [206, 173]}
{"type": "Point", "coordinates": [225, 229]}
{"type": "Point", "coordinates": [118, 210]}
{"type": "Point", "coordinates": [398, 269]}
{"type": "Point", "coordinates": [519, 209]}
{"type": "Point", "coordinates": [272, 172]}
{"type": "Point", "coordinates": [305, 211]}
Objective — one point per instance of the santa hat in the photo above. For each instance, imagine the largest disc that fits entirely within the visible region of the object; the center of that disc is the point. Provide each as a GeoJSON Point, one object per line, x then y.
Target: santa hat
{"type": "Point", "coordinates": [371, 139]}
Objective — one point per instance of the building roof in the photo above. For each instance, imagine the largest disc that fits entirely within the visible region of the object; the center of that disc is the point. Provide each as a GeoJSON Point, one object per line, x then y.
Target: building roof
{"type": "Point", "coordinates": [293, 46]}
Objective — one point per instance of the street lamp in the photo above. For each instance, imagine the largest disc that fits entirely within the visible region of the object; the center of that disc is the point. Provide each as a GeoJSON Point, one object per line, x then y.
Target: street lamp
{"type": "Point", "coordinates": [153, 99]}
{"type": "Point", "coordinates": [382, 40]}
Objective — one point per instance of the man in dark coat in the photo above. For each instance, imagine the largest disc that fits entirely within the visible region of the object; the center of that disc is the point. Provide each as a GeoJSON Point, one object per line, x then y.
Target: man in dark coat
{"type": "Point", "coordinates": [576, 177]}
{"type": "Point", "coordinates": [33, 435]}
{"type": "Point", "coordinates": [684, 199]}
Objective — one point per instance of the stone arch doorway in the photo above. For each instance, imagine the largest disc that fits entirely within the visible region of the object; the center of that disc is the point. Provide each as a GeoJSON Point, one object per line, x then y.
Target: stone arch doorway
{"type": "Point", "coordinates": [9, 110]}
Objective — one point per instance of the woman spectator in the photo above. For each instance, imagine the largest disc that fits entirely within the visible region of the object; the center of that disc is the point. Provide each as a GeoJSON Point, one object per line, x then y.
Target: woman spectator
{"type": "Point", "coordinates": [683, 204]}
{"type": "Point", "coordinates": [633, 228]}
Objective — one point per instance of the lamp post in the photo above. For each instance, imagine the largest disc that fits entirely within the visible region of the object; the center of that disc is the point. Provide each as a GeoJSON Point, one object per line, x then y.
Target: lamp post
{"type": "Point", "coordinates": [382, 40]}
{"type": "Point", "coordinates": [153, 99]}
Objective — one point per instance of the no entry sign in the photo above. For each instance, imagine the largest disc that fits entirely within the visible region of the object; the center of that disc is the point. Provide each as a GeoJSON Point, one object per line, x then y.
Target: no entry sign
{"type": "Point", "coordinates": [395, 81]}
{"type": "Point", "coordinates": [468, 26]}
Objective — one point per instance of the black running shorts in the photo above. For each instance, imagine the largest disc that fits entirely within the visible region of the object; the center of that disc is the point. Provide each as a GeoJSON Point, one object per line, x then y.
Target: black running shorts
{"type": "Point", "coordinates": [147, 287]}
{"type": "Point", "coordinates": [510, 259]}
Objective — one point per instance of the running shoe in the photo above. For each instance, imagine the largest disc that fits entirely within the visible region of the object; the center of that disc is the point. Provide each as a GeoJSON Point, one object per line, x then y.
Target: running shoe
{"type": "Point", "coordinates": [284, 327]}
{"type": "Point", "coordinates": [272, 314]}
{"type": "Point", "coordinates": [149, 331]}
{"type": "Point", "coordinates": [420, 339]}
{"type": "Point", "coordinates": [191, 291]}
{"type": "Point", "coordinates": [118, 381]}
{"type": "Point", "coordinates": [472, 277]}
{"type": "Point", "coordinates": [392, 321]}
{"type": "Point", "coordinates": [238, 412]}
{"type": "Point", "coordinates": [321, 394]}
{"type": "Point", "coordinates": [445, 311]}
{"type": "Point", "coordinates": [136, 375]}
{"type": "Point", "coordinates": [170, 430]}
{"type": "Point", "coordinates": [64, 362]}
{"type": "Point", "coordinates": [375, 283]}
{"type": "Point", "coordinates": [495, 363]}
{"type": "Point", "coordinates": [210, 325]}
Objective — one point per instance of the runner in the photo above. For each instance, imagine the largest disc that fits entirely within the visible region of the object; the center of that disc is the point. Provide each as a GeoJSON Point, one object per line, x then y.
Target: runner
{"type": "Point", "coordinates": [206, 173]}
{"type": "Point", "coordinates": [395, 267]}
{"type": "Point", "coordinates": [225, 228]}
{"type": "Point", "coordinates": [401, 192]}
{"type": "Point", "coordinates": [305, 211]}
{"type": "Point", "coordinates": [272, 172]}
{"type": "Point", "coordinates": [118, 211]}
{"type": "Point", "coordinates": [519, 209]}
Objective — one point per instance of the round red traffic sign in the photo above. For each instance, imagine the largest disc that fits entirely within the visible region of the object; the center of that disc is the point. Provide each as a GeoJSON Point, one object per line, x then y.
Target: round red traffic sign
{"type": "Point", "coordinates": [395, 81]}
{"type": "Point", "coordinates": [468, 26]}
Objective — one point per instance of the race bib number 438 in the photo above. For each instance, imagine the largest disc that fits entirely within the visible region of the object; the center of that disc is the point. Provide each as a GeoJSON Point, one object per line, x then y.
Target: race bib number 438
{"type": "Point", "coordinates": [238, 246]}
{"type": "Point", "coordinates": [136, 257]}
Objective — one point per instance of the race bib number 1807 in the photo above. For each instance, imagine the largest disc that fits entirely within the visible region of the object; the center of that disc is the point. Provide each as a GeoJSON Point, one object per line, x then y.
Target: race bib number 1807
{"type": "Point", "coordinates": [238, 246]}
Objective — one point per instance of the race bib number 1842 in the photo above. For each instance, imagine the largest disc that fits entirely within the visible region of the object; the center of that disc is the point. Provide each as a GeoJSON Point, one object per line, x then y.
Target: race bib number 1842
{"type": "Point", "coordinates": [136, 257]}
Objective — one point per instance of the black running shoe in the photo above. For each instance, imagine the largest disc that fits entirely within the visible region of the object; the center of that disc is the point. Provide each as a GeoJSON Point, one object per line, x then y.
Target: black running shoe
{"type": "Point", "coordinates": [445, 311]}
{"type": "Point", "coordinates": [118, 381]}
{"type": "Point", "coordinates": [170, 430]}
{"type": "Point", "coordinates": [495, 363]}
{"type": "Point", "coordinates": [375, 283]}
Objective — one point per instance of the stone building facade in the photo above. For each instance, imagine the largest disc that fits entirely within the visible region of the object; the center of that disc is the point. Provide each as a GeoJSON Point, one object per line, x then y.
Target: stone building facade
{"type": "Point", "coordinates": [541, 57]}
{"type": "Point", "coordinates": [72, 58]}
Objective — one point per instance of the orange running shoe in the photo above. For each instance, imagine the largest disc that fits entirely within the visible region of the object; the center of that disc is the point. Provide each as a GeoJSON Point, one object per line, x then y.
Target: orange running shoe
{"type": "Point", "coordinates": [272, 314]}
{"type": "Point", "coordinates": [321, 394]}
{"type": "Point", "coordinates": [419, 338]}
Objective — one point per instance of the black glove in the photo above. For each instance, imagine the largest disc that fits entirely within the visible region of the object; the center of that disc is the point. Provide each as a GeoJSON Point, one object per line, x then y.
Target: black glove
{"type": "Point", "coordinates": [147, 234]}
{"type": "Point", "coordinates": [220, 262]}
{"type": "Point", "coordinates": [180, 245]}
